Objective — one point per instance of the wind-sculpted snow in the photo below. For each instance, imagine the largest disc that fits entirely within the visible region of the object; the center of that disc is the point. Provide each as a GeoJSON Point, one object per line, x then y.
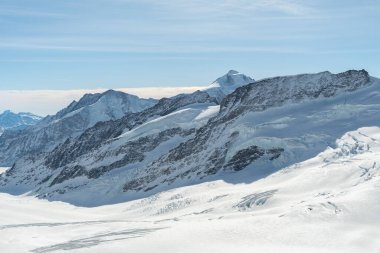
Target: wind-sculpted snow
{"type": "Point", "coordinates": [260, 128]}
{"type": "Point", "coordinates": [256, 199]}
{"type": "Point", "coordinates": [95, 240]}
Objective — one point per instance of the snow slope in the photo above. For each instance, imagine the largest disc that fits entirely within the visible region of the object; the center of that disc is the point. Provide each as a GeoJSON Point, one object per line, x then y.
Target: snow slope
{"type": "Point", "coordinates": [329, 203]}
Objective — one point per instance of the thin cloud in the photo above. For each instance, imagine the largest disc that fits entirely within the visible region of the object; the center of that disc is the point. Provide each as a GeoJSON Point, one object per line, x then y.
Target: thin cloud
{"type": "Point", "coordinates": [171, 28]}
{"type": "Point", "coordinates": [153, 48]}
{"type": "Point", "coordinates": [222, 7]}
{"type": "Point", "coordinates": [29, 13]}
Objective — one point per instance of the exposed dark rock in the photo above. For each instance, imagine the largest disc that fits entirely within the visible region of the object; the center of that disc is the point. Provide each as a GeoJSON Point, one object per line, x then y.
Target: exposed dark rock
{"type": "Point", "coordinates": [244, 157]}
{"type": "Point", "coordinates": [276, 91]}
{"type": "Point", "coordinates": [69, 173]}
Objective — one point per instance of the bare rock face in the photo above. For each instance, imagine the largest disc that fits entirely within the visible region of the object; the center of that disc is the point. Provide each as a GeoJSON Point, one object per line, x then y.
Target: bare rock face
{"type": "Point", "coordinates": [279, 90]}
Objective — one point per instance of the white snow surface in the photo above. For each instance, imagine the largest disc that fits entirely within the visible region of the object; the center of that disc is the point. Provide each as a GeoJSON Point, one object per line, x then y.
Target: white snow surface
{"type": "Point", "coordinates": [3, 169]}
{"type": "Point", "coordinates": [192, 116]}
{"type": "Point", "coordinates": [329, 203]}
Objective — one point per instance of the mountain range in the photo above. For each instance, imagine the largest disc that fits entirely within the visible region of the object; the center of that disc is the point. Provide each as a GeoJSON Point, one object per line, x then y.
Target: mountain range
{"type": "Point", "coordinates": [102, 150]}
{"type": "Point", "coordinates": [69, 122]}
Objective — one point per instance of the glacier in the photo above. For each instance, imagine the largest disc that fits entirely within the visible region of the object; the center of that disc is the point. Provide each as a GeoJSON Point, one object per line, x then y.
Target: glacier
{"type": "Point", "coordinates": [328, 203]}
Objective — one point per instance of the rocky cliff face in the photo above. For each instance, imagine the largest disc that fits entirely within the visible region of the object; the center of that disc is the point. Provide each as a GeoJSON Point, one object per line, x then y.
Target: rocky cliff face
{"type": "Point", "coordinates": [259, 128]}
{"type": "Point", "coordinates": [291, 89]}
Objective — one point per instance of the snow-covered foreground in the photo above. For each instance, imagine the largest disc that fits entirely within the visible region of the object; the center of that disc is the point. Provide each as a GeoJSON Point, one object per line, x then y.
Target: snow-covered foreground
{"type": "Point", "coordinates": [330, 203]}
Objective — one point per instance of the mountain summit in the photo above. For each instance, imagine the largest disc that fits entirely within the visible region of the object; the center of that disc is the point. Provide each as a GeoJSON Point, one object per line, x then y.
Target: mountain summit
{"type": "Point", "coordinates": [104, 106]}
{"type": "Point", "coordinates": [227, 83]}
{"type": "Point", "coordinates": [68, 123]}
{"type": "Point", "coordinates": [232, 78]}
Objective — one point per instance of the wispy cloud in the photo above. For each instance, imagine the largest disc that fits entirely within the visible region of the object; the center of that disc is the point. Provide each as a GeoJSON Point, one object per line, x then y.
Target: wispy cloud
{"type": "Point", "coordinates": [24, 12]}
{"type": "Point", "coordinates": [223, 7]}
{"type": "Point", "coordinates": [173, 26]}
{"type": "Point", "coordinates": [184, 48]}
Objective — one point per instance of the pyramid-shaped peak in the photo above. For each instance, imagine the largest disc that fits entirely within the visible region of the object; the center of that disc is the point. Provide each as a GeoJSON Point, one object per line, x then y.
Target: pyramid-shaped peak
{"type": "Point", "coordinates": [233, 78]}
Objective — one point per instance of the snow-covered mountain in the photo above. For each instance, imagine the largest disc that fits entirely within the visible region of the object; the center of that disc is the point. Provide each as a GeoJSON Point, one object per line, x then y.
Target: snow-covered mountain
{"type": "Point", "coordinates": [17, 121]}
{"type": "Point", "coordinates": [227, 84]}
{"type": "Point", "coordinates": [258, 129]}
{"type": "Point", "coordinates": [69, 122]}
{"type": "Point", "coordinates": [103, 106]}
{"type": "Point", "coordinates": [80, 115]}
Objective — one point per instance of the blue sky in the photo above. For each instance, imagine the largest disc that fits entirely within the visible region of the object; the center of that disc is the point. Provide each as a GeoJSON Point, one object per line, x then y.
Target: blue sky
{"type": "Point", "coordinates": [88, 44]}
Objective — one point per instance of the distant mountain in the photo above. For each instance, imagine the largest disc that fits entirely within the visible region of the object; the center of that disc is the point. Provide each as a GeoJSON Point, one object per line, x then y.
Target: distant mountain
{"type": "Point", "coordinates": [227, 84]}
{"type": "Point", "coordinates": [260, 128]}
{"type": "Point", "coordinates": [103, 106]}
{"type": "Point", "coordinates": [69, 122]}
{"type": "Point", "coordinates": [11, 120]}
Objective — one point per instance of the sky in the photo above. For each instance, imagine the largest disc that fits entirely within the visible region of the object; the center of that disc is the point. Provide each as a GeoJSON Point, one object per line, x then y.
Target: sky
{"type": "Point", "coordinates": [78, 46]}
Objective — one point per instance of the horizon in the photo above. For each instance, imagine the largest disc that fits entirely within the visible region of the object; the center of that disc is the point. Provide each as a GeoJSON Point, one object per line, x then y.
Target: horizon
{"type": "Point", "coordinates": [48, 102]}
{"type": "Point", "coordinates": [76, 46]}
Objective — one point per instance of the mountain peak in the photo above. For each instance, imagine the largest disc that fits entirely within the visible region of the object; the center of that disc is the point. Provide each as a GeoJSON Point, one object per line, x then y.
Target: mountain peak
{"type": "Point", "coordinates": [104, 104]}
{"type": "Point", "coordinates": [233, 78]}
{"type": "Point", "coordinates": [232, 72]}
{"type": "Point", "coordinates": [113, 93]}
{"type": "Point", "coordinates": [227, 83]}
